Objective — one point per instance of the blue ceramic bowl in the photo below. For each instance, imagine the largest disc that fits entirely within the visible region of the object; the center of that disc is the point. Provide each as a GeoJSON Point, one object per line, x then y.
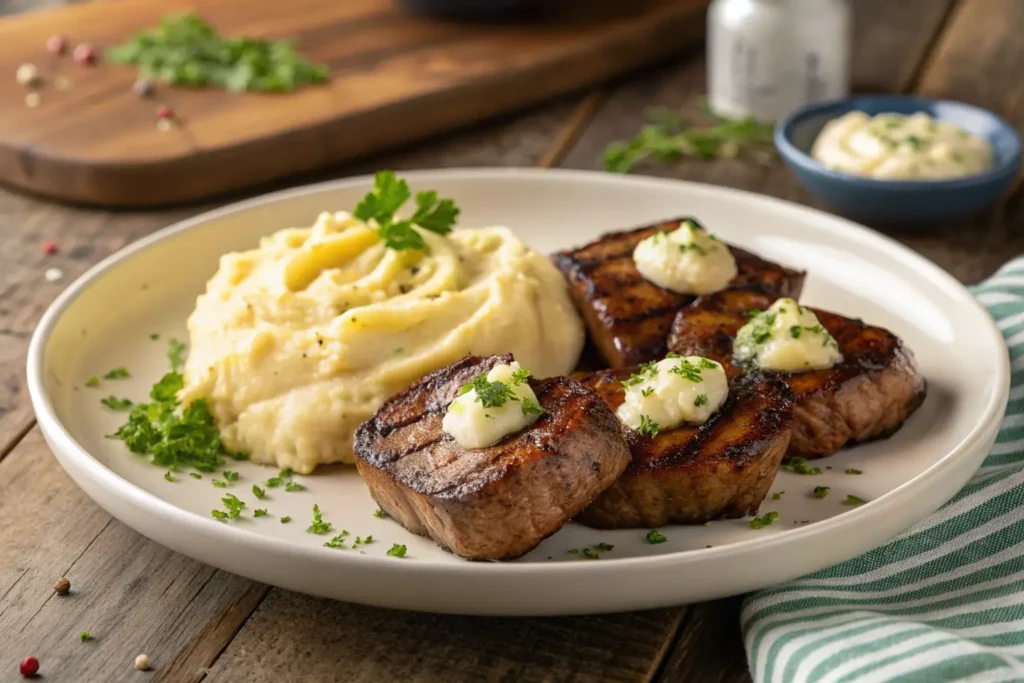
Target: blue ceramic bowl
{"type": "Point", "coordinates": [900, 201]}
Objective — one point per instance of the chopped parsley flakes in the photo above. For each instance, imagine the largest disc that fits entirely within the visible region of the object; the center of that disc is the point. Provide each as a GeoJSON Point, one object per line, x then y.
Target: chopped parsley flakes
{"type": "Point", "coordinates": [798, 465]}
{"type": "Point", "coordinates": [701, 400]}
{"type": "Point", "coordinates": [285, 519]}
{"type": "Point", "coordinates": [854, 500]}
{"type": "Point", "coordinates": [820, 491]}
{"type": "Point", "coordinates": [338, 541]}
{"type": "Point", "coordinates": [654, 537]}
{"type": "Point", "coordinates": [260, 512]}
{"type": "Point", "coordinates": [230, 476]}
{"type": "Point", "coordinates": [778, 496]}
{"type": "Point", "coordinates": [318, 526]}
{"type": "Point", "coordinates": [84, 636]}
{"type": "Point", "coordinates": [294, 486]}
{"type": "Point", "coordinates": [397, 550]}
{"type": "Point", "coordinates": [648, 426]}
{"type": "Point", "coordinates": [258, 492]}
{"type": "Point", "coordinates": [92, 382]}
{"type": "Point", "coordinates": [380, 514]}
{"type": "Point", "coordinates": [852, 470]}
{"type": "Point", "coordinates": [176, 354]}
{"type": "Point", "coordinates": [767, 519]}
{"type": "Point", "coordinates": [168, 476]}
{"type": "Point", "coordinates": [117, 373]}
{"type": "Point", "coordinates": [115, 403]}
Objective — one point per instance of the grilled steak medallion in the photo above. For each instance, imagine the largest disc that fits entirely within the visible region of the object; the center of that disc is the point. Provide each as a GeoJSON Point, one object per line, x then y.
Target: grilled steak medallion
{"type": "Point", "coordinates": [629, 317]}
{"type": "Point", "coordinates": [492, 503]}
{"type": "Point", "coordinates": [868, 395]}
{"type": "Point", "coordinates": [693, 474]}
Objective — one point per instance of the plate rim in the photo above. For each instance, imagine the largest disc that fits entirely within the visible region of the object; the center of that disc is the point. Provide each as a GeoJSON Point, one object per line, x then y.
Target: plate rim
{"type": "Point", "coordinates": [137, 497]}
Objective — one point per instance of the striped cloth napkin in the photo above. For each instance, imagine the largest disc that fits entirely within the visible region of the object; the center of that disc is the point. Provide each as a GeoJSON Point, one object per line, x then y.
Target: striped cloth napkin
{"type": "Point", "coordinates": [942, 602]}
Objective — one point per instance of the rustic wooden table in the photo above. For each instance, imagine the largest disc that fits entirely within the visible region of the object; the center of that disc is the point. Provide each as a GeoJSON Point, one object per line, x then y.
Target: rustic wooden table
{"type": "Point", "coordinates": [200, 623]}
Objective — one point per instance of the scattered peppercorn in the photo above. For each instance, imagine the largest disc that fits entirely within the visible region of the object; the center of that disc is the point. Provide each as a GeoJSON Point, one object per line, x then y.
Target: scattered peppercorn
{"type": "Point", "coordinates": [29, 667]}
{"type": "Point", "coordinates": [27, 74]}
{"type": "Point", "coordinates": [144, 88]}
{"type": "Point", "coordinates": [49, 247]}
{"type": "Point", "coordinates": [84, 54]}
{"type": "Point", "coordinates": [142, 662]}
{"type": "Point", "coordinates": [57, 45]}
{"type": "Point", "coordinates": [63, 586]}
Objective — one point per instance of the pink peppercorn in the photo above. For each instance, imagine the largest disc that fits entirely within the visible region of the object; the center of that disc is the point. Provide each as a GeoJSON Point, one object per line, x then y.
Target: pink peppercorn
{"type": "Point", "coordinates": [49, 247]}
{"type": "Point", "coordinates": [57, 45]}
{"type": "Point", "coordinates": [29, 667]}
{"type": "Point", "coordinates": [164, 112]}
{"type": "Point", "coordinates": [85, 54]}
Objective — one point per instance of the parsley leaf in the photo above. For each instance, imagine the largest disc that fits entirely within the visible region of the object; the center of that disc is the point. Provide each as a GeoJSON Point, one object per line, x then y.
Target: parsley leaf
{"type": "Point", "coordinates": [84, 636]}
{"type": "Point", "coordinates": [117, 373]}
{"type": "Point", "coordinates": [389, 193]}
{"type": "Point", "coordinates": [285, 519]}
{"type": "Point", "coordinates": [654, 537]}
{"type": "Point", "coordinates": [92, 382]}
{"type": "Point", "coordinates": [702, 399]}
{"type": "Point", "coordinates": [168, 476]}
{"type": "Point", "coordinates": [380, 514]}
{"type": "Point", "coordinates": [176, 354]}
{"type": "Point", "coordinates": [195, 475]}
{"type": "Point", "coordinates": [219, 484]}
{"type": "Point", "coordinates": [798, 465]}
{"type": "Point", "coordinates": [778, 496]}
{"type": "Point", "coordinates": [397, 550]}
{"type": "Point", "coordinates": [261, 512]}
{"type": "Point", "coordinates": [852, 470]}
{"type": "Point", "coordinates": [318, 526]}
{"type": "Point", "coordinates": [336, 542]}
{"type": "Point", "coordinates": [115, 403]}
{"type": "Point", "coordinates": [531, 407]}
{"type": "Point", "coordinates": [767, 519]}
{"type": "Point", "coordinates": [294, 486]}
{"type": "Point", "coordinates": [648, 426]}
{"type": "Point", "coordinates": [258, 492]}
{"type": "Point", "coordinates": [820, 491]}
{"type": "Point", "coordinates": [854, 500]}
{"type": "Point", "coordinates": [230, 476]}
{"type": "Point", "coordinates": [185, 50]}
{"type": "Point", "coordinates": [233, 505]}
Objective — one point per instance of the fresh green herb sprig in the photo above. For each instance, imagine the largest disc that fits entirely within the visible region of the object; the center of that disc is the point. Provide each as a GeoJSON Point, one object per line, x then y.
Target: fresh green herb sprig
{"type": "Point", "coordinates": [389, 193]}
{"type": "Point", "coordinates": [186, 51]}
{"type": "Point", "coordinates": [669, 137]}
{"type": "Point", "coordinates": [654, 537]}
{"type": "Point", "coordinates": [115, 403]}
{"type": "Point", "coordinates": [397, 550]}
{"type": "Point", "coordinates": [318, 526]}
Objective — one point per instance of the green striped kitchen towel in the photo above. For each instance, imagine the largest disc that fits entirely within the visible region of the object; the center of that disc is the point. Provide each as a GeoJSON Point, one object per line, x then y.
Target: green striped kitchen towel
{"type": "Point", "coordinates": [943, 601]}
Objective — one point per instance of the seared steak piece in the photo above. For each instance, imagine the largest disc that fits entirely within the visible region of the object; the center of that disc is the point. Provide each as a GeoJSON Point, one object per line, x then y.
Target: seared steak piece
{"type": "Point", "coordinates": [628, 316]}
{"type": "Point", "coordinates": [693, 474]}
{"type": "Point", "coordinates": [868, 395]}
{"type": "Point", "coordinates": [493, 503]}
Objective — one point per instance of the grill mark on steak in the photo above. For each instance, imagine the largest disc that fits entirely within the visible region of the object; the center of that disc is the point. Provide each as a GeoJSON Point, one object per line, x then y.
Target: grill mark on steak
{"type": "Point", "coordinates": [629, 317]}
{"type": "Point", "coordinates": [694, 474]}
{"type": "Point", "coordinates": [868, 395]}
{"type": "Point", "coordinates": [497, 502]}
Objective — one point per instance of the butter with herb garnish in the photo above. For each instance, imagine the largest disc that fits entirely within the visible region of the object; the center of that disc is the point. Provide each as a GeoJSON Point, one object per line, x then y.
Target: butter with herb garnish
{"type": "Point", "coordinates": [667, 393]}
{"type": "Point", "coordinates": [492, 406]}
{"type": "Point", "coordinates": [688, 260]}
{"type": "Point", "coordinates": [786, 338]}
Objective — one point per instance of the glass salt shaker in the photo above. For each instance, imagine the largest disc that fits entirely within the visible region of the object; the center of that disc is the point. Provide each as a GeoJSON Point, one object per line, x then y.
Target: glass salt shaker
{"type": "Point", "coordinates": [768, 57]}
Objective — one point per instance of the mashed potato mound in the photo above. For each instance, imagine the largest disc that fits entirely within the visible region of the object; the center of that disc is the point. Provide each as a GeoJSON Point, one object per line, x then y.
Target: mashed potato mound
{"type": "Point", "coordinates": [297, 342]}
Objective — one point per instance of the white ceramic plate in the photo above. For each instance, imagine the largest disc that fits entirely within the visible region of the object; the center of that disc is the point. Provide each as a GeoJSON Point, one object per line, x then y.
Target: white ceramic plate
{"type": "Point", "coordinates": [105, 320]}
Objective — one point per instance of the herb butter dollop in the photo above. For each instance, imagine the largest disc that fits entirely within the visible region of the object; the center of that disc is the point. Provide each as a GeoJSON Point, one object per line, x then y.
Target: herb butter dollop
{"type": "Point", "coordinates": [895, 146]}
{"type": "Point", "coordinates": [786, 338]}
{"type": "Point", "coordinates": [669, 392]}
{"type": "Point", "coordinates": [491, 407]}
{"type": "Point", "coordinates": [688, 260]}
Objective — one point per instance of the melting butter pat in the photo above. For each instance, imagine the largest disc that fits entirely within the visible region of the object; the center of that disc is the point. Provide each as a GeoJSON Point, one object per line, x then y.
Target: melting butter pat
{"type": "Point", "coordinates": [670, 392]}
{"type": "Point", "coordinates": [491, 407]}
{"type": "Point", "coordinates": [688, 260]}
{"type": "Point", "coordinates": [786, 338]}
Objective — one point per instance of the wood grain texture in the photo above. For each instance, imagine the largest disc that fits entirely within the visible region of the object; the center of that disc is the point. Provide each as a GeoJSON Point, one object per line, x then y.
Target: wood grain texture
{"type": "Point", "coordinates": [710, 633]}
{"type": "Point", "coordinates": [396, 77]}
{"type": "Point", "coordinates": [295, 637]}
{"type": "Point", "coordinates": [131, 594]}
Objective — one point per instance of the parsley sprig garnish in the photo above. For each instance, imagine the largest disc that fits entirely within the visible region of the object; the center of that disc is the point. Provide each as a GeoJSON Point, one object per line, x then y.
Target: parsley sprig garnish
{"type": "Point", "coordinates": [389, 193]}
{"type": "Point", "coordinates": [669, 137]}
{"type": "Point", "coordinates": [185, 50]}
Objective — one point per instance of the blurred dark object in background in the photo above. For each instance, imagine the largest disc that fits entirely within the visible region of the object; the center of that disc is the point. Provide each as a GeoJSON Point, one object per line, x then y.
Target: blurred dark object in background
{"type": "Point", "coordinates": [486, 10]}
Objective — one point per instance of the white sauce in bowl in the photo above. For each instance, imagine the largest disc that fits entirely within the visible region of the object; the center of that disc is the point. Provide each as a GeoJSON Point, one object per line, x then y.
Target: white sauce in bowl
{"type": "Point", "coordinates": [898, 147]}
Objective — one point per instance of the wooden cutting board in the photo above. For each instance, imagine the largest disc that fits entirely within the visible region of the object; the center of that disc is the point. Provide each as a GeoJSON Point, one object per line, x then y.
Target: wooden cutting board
{"type": "Point", "coordinates": [395, 77]}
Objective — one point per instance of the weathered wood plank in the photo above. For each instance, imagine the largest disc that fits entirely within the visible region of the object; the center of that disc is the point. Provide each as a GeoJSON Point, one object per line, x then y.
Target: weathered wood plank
{"type": "Point", "coordinates": [710, 634]}
{"type": "Point", "coordinates": [131, 594]}
{"type": "Point", "coordinates": [295, 637]}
